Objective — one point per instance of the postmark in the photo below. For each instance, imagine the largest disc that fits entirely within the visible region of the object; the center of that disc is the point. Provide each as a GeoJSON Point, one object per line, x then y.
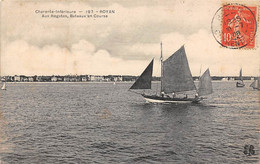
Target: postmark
{"type": "Point", "coordinates": [234, 26]}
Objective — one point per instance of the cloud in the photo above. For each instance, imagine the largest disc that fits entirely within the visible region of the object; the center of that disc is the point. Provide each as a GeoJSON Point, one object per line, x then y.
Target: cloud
{"type": "Point", "coordinates": [129, 24]}
{"type": "Point", "coordinates": [83, 58]}
{"type": "Point", "coordinates": [122, 44]}
{"type": "Point", "coordinates": [20, 57]}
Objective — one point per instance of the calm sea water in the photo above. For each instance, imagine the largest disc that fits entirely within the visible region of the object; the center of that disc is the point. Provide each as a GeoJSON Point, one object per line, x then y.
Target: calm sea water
{"type": "Point", "coordinates": [104, 123]}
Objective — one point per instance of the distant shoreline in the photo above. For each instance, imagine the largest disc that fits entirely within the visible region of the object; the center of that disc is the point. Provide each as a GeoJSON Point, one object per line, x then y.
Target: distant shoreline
{"type": "Point", "coordinates": [113, 82]}
{"type": "Point", "coordinates": [105, 79]}
{"type": "Point", "coordinates": [71, 82]}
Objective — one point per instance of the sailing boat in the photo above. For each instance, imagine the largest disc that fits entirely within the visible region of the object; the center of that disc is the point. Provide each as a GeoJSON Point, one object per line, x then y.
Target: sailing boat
{"type": "Point", "coordinates": [240, 83]}
{"type": "Point", "coordinates": [175, 78]}
{"type": "Point", "coordinates": [256, 84]}
{"type": "Point", "coordinates": [4, 86]}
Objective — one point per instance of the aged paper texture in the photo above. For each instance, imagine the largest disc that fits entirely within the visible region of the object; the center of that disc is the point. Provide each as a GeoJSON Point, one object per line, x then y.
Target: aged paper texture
{"type": "Point", "coordinates": [68, 69]}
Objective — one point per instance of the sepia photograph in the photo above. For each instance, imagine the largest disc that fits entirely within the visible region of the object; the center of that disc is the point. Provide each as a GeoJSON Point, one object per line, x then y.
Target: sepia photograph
{"type": "Point", "coordinates": [129, 81]}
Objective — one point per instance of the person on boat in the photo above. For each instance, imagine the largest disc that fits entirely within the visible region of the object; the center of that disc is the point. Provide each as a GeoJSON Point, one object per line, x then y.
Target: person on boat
{"type": "Point", "coordinates": [196, 95]}
{"type": "Point", "coordinates": [173, 95]}
{"type": "Point", "coordinates": [162, 94]}
{"type": "Point", "coordinates": [186, 96]}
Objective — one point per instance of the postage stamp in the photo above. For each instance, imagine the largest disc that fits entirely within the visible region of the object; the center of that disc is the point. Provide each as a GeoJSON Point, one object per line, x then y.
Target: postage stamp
{"type": "Point", "coordinates": [238, 26]}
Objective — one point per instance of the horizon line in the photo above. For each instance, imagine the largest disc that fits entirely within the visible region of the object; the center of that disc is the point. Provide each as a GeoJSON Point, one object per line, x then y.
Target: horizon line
{"type": "Point", "coordinates": [122, 75]}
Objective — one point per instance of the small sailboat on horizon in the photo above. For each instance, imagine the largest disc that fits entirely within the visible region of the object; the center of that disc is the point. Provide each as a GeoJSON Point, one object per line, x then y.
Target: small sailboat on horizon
{"type": "Point", "coordinates": [240, 83]}
{"type": "Point", "coordinates": [176, 78]}
{"type": "Point", "coordinates": [256, 84]}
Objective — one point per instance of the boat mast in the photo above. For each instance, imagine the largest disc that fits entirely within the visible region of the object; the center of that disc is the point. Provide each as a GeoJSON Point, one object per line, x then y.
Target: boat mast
{"type": "Point", "coordinates": [197, 89]}
{"type": "Point", "coordinates": [161, 59]}
{"type": "Point", "coordinates": [200, 70]}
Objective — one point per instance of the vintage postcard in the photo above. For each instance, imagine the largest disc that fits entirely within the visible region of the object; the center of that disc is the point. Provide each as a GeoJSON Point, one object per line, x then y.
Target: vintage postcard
{"type": "Point", "coordinates": [129, 81]}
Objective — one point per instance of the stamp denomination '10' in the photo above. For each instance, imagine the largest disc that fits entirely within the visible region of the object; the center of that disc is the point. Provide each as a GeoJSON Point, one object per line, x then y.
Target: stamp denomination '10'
{"type": "Point", "coordinates": [238, 26]}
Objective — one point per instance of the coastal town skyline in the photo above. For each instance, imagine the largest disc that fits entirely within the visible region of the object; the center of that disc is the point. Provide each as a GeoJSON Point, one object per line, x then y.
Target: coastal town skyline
{"type": "Point", "coordinates": [101, 78]}
{"type": "Point", "coordinates": [120, 38]}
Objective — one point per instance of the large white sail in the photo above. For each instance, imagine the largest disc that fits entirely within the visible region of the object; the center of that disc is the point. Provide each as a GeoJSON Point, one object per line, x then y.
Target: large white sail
{"type": "Point", "coordinates": [176, 75]}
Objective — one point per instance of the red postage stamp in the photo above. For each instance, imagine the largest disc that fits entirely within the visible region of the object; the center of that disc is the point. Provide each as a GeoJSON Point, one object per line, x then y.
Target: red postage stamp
{"type": "Point", "coordinates": [238, 26]}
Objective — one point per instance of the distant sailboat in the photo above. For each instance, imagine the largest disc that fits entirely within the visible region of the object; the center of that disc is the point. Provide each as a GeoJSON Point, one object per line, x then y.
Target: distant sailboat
{"type": "Point", "coordinates": [175, 78]}
{"type": "Point", "coordinates": [205, 84]}
{"type": "Point", "coordinates": [241, 82]}
{"type": "Point", "coordinates": [256, 84]}
{"type": "Point", "coordinates": [4, 86]}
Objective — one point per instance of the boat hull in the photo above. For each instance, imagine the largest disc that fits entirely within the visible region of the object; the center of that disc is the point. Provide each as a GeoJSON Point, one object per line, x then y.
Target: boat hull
{"type": "Point", "coordinates": [159, 99]}
{"type": "Point", "coordinates": [239, 85]}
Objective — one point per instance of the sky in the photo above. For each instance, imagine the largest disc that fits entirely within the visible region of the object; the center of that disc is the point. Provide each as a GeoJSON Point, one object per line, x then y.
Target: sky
{"type": "Point", "coordinates": [122, 44]}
